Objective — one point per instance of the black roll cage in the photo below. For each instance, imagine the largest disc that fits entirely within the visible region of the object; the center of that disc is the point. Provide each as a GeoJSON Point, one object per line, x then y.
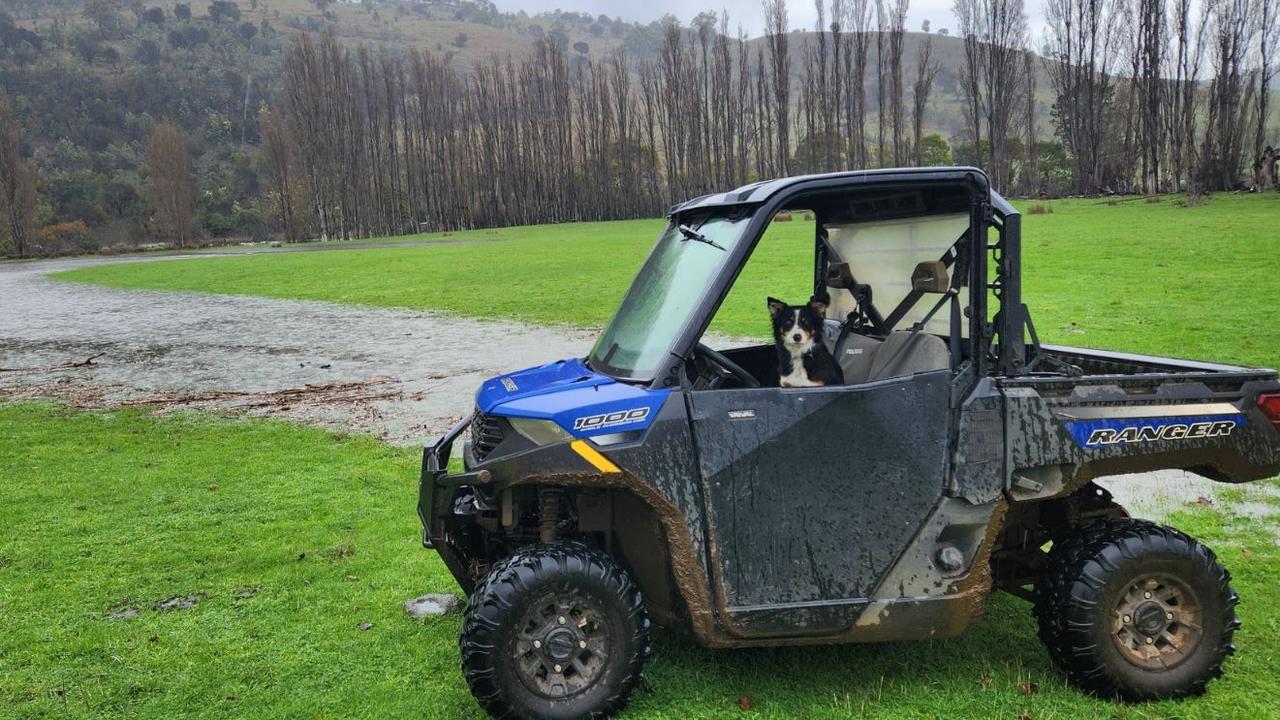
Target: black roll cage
{"type": "Point", "coordinates": [995, 347]}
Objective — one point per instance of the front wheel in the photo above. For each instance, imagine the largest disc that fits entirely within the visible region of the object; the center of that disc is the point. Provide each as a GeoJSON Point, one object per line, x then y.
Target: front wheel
{"type": "Point", "coordinates": [1135, 610]}
{"type": "Point", "coordinates": [555, 631]}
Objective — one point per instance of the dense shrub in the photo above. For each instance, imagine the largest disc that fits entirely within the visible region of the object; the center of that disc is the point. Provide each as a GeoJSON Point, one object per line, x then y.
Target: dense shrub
{"type": "Point", "coordinates": [64, 238]}
{"type": "Point", "coordinates": [219, 225]}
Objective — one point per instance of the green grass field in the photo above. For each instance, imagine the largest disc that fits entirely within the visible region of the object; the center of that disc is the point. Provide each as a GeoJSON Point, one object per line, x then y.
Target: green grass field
{"type": "Point", "coordinates": [1160, 278]}
{"type": "Point", "coordinates": [293, 538]}
{"type": "Point", "coordinates": [318, 531]}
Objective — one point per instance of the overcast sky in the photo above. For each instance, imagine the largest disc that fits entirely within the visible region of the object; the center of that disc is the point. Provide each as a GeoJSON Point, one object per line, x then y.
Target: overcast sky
{"type": "Point", "coordinates": [747, 12]}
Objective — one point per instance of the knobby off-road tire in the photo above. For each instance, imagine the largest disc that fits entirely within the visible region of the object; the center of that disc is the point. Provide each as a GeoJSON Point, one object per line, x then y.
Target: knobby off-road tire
{"type": "Point", "coordinates": [1135, 610]}
{"type": "Point", "coordinates": [555, 631]}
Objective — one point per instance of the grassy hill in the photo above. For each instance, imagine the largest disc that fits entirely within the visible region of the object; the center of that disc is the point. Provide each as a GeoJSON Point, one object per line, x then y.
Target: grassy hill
{"type": "Point", "coordinates": [427, 26]}
{"type": "Point", "coordinates": [469, 33]}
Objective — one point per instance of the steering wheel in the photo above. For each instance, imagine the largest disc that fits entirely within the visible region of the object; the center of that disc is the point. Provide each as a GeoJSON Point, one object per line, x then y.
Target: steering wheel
{"type": "Point", "coordinates": [724, 368]}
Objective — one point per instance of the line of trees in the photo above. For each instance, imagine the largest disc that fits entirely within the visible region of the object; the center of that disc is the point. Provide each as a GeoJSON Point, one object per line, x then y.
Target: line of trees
{"type": "Point", "coordinates": [1161, 95]}
{"type": "Point", "coordinates": [369, 143]}
{"type": "Point", "coordinates": [1148, 96]}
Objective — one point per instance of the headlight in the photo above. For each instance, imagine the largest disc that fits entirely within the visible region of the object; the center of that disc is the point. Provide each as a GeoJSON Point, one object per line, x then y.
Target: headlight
{"type": "Point", "coordinates": [539, 432]}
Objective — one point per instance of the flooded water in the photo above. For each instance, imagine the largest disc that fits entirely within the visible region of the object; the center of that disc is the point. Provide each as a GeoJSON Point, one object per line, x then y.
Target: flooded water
{"type": "Point", "coordinates": [404, 376]}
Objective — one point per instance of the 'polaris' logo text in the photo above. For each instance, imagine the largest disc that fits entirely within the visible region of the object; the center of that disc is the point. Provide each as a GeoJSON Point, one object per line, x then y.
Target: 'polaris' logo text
{"type": "Point", "coordinates": [604, 420]}
{"type": "Point", "coordinates": [1152, 433]}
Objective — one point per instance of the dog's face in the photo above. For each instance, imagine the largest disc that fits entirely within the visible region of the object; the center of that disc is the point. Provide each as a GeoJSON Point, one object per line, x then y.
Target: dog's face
{"type": "Point", "coordinates": [797, 327]}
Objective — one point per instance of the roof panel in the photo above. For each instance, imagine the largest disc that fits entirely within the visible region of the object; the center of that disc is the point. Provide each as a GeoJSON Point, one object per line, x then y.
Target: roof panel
{"type": "Point", "coordinates": [759, 192]}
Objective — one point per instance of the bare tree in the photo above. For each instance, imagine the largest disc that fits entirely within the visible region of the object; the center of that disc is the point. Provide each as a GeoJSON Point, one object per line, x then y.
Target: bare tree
{"type": "Point", "coordinates": [1080, 48]}
{"type": "Point", "coordinates": [676, 99]}
{"type": "Point", "coordinates": [1230, 93]}
{"type": "Point", "coordinates": [763, 119]}
{"type": "Point", "coordinates": [279, 164]}
{"type": "Point", "coordinates": [858, 22]}
{"type": "Point", "coordinates": [17, 182]}
{"type": "Point", "coordinates": [820, 103]}
{"type": "Point", "coordinates": [881, 27]}
{"type": "Point", "coordinates": [927, 69]}
{"type": "Point", "coordinates": [1030, 176]}
{"type": "Point", "coordinates": [1268, 37]}
{"type": "Point", "coordinates": [1187, 59]}
{"type": "Point", "coordinates": [1149, 87]}
{"type": "Point", "coordinates": [809, 155]}
{"type": "Point", "coordinates": [991, 79]}
{"type": "Point", "coordinates": [897, 20]}
{"type": "Point", "coordinates": [169, 162]}
{"type": "Point", "coordinates": [724, 111]}
{"type": "Point", "coordinates": [745, 127]}
{"type": "Point", "coordinates": [775, 24]}
{"type": "Point", "coordinates": [833, 120]}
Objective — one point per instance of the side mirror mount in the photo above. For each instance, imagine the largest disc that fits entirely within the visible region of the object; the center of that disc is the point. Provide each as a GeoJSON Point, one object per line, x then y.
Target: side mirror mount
{"type": "Point", "coordinates": [840, 277]}
{"type": "Point", "coordinates": [930, 277]}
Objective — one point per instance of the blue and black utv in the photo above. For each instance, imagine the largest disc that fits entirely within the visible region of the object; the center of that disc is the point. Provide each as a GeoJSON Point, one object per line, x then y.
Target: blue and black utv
{"type": "Point", "coordinates": [659, 478]}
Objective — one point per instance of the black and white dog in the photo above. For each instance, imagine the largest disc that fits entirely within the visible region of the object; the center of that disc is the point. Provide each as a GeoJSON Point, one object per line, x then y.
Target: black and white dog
{"type": "Point", "coordinates": [803, 361]}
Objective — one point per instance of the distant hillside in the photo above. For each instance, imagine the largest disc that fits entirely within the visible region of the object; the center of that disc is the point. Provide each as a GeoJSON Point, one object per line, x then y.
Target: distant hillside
{"type": "Point", "coordinates": [89, 79]}
{"type": "Point", "coordinates": [468, 32]}
{"type": "Point", "coordinates": [435, 26]}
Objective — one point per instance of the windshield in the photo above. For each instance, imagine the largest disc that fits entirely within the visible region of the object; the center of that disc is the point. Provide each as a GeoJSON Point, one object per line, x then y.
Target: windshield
{"type": "Point", "coordinates": [688, 255]}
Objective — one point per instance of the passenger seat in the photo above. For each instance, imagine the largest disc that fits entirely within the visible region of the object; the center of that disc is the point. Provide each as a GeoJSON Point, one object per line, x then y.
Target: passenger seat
{"type": "Point", "coordinates": [856, 355]}
{"type": "Point", "coordinates": [907, 353]}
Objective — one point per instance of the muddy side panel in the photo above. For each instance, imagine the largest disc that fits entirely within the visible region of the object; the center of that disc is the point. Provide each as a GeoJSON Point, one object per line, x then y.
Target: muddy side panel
{"type": "Point", "coordinates": [979, 473]}
{"type": "Point", "coordinates": [661, 471]}
{"type": "Point", "coordinates": [813, 494]}
{"type": "Point", "coordinates": [1062, 435]}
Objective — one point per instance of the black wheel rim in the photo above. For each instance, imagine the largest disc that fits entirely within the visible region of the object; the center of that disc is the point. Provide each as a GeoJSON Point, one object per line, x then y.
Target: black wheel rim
{"type": "Point", "coordinates": [1157, 622]}
{"type": "Point", "coordinates": [562, 646]}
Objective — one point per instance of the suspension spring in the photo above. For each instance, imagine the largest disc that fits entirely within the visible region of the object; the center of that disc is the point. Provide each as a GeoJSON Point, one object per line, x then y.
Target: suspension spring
{"type": "Point", "coordinates": [550, 501]}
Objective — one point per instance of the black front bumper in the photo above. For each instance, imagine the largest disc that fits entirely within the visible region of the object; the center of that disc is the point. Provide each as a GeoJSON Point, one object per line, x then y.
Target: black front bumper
{"type": "Point", "coordinates": [435, 478]}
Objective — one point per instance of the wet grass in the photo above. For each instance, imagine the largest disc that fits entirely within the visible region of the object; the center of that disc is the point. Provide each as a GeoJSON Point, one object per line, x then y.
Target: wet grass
{"type": "Point", "coordinates": [292, 538]}
{"type": "Point", "coordinates": [1161, 278]}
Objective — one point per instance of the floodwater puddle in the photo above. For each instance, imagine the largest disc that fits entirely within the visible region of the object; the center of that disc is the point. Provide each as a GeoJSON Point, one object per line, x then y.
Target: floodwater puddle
{"type": "Point", "coordinates": [400, 375]}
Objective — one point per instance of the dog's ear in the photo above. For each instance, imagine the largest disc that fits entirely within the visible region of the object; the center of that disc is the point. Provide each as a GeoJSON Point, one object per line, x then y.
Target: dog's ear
{"type": "Point", "coordinates": [776, 307]}
{"type": "Point", "coordinates": [819, 304]}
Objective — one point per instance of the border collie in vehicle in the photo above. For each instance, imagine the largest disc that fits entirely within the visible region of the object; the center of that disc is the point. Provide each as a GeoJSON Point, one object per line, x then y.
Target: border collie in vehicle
{"type": "Point", "coordinates": [803, 361]}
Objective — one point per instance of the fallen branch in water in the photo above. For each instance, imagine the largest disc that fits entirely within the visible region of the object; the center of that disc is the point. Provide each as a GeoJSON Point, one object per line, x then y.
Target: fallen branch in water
{"type": "Point", "coordinates": [87, 362]}
{"type": "Point", "coordinates": [340, 392]}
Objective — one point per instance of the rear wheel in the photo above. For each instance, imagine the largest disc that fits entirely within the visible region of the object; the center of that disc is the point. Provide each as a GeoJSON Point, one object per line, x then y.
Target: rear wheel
{"type": "Point", "coordinates": [554, 631]}
{"type": "Point", "coordinates": [1135, 610]}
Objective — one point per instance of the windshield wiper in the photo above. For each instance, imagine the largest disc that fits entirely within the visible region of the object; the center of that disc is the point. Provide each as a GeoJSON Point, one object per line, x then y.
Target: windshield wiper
{"type": "Point", "coordinates": [691, 234]}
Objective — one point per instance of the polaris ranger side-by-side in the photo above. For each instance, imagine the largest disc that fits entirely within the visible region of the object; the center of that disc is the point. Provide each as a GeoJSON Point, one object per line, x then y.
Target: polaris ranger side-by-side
{"type": "Point", "coordinates": [660, 478]}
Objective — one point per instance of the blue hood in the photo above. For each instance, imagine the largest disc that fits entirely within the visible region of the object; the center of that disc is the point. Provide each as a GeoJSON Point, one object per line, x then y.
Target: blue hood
{"type": "Point", "coordinates": [578, 399]}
